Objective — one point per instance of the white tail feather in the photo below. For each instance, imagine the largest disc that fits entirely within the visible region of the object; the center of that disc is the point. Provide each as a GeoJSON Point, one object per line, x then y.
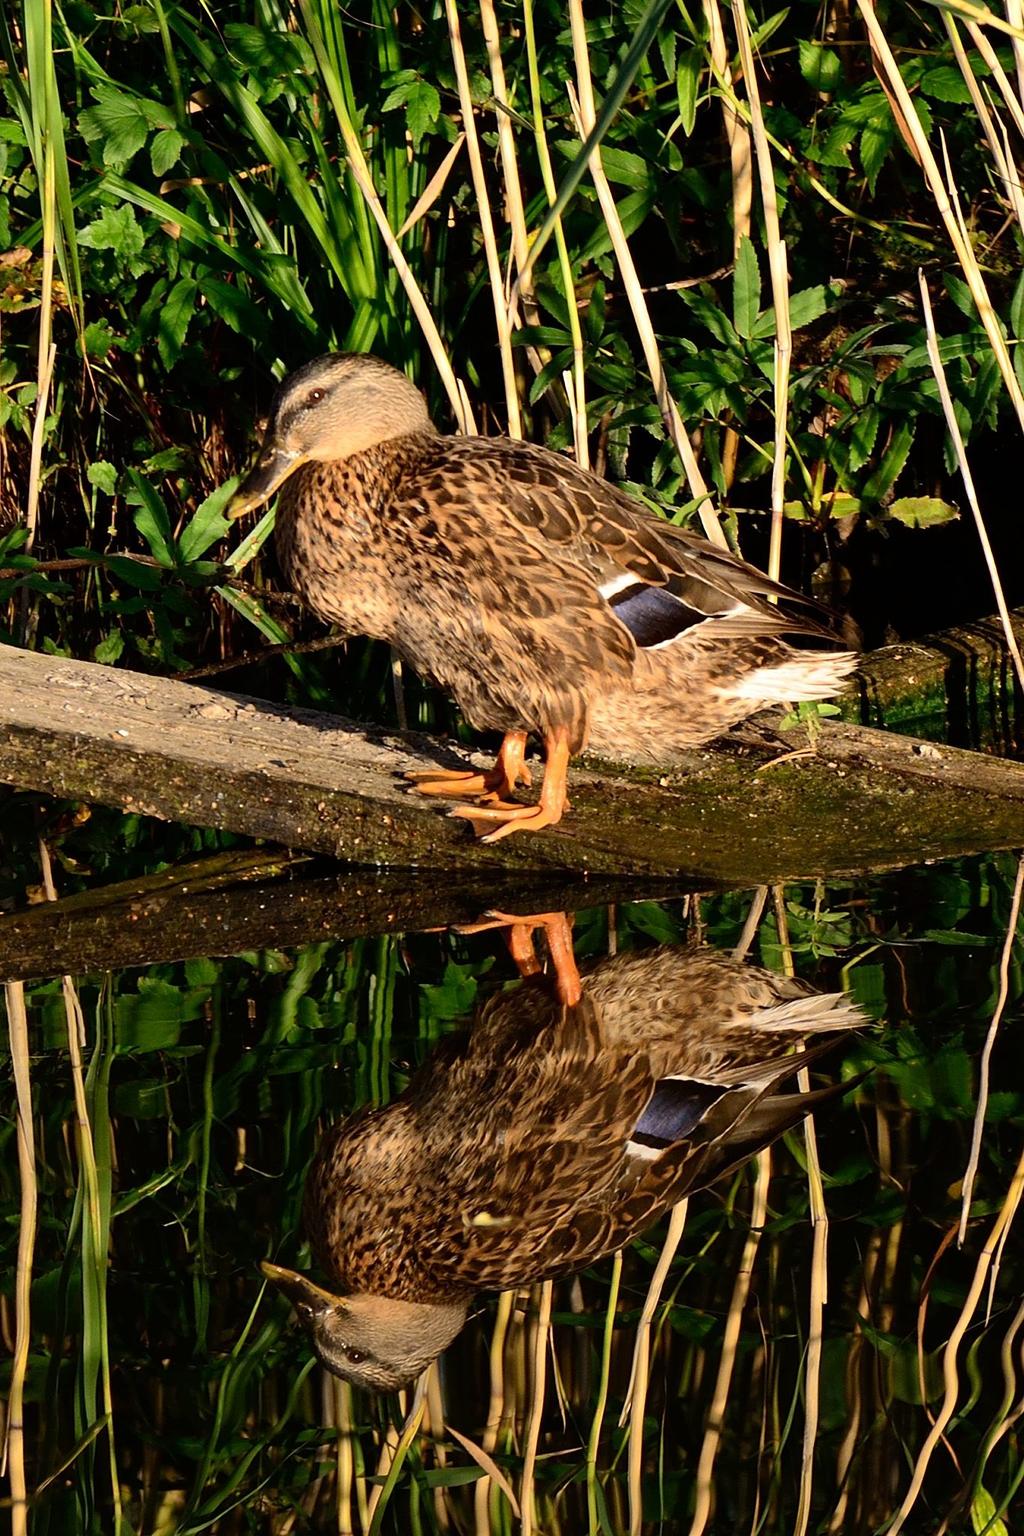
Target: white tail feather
{"type": "Point", "coordinates": [814, 676]}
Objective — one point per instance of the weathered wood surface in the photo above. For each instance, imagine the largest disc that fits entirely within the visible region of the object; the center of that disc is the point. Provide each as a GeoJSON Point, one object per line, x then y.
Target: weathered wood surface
{"type": "Point", "coordinates": [866, 800]}
{"type": "Point", "coordinates": [963, 677]}
{"type": "Point", "coordinates": [270, 899]}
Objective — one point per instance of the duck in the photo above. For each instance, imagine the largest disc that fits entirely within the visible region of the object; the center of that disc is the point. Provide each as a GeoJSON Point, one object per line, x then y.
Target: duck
{"type": "Point", "coordinates": [543, 598]}
{"type": "Point", "coordinates": [543, 1138]}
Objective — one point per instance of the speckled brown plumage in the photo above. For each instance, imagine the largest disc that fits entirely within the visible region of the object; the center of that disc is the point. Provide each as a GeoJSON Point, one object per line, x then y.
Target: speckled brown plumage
{"type": "Point", "coordinates": [542, 1139]}
{"type": "Point", "coordinates": [541, 597]}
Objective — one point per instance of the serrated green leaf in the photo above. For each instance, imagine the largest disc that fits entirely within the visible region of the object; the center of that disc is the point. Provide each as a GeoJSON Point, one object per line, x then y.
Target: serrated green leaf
{"type": "Point", "coordinates": [945, 83]}
{"type": "Point", "coordinates": [119, 231]}
{"type": "Point", "coordinates": [893, 460]}
{"type": "Point", "coordinates": [922, 511]}
{"type": "Point", "coordinates": [165, 150]}
{"type": "Point", "coordinates": [102, 475]}
{"type": "Point", "coordinates": [876, 141]}
{"type": "Point", "coordinates": [173, 320]}
{"type": "Point", "coordinates": [746, 289]}
{"type": "Point", "coordinates": [862, 438]}
{"type": "Point", "coordinates": [109, 649]}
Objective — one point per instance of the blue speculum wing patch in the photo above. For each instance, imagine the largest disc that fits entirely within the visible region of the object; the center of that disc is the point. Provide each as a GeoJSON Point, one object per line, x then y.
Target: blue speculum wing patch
{"type": "Point", "coordinates": [653, 615]}
{"type": "Point", "coordinates": [676, 1106]}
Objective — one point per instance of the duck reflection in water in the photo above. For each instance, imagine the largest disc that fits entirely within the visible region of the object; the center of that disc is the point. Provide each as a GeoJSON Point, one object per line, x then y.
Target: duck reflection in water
{"type": "Point", "coordinates": [546, 1136]}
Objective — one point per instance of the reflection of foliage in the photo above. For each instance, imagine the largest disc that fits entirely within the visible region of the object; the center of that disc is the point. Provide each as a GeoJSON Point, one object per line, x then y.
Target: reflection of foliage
{"type": "Point", "coordinates": [211, 1078]}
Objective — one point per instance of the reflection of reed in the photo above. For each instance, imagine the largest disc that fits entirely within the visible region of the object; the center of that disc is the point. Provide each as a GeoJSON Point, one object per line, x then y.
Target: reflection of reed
{"type": "Point", "coordinates": [238, 1422]}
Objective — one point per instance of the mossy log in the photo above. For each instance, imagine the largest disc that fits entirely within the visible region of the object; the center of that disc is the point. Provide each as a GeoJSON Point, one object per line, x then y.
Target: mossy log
{"type": "Point", "coordinates": [740, 812]}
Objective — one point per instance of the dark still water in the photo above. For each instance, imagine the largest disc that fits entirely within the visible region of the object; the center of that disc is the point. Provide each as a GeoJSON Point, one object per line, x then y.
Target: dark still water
{"type": "Point", "coordinates": [787, 1351]}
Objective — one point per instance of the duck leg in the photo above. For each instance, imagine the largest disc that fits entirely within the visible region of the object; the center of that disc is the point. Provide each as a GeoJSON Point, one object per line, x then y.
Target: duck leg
{"type": "Point", "coordinates": [501, 819]}
{"type": "Point", "coordinates": [495, 785]}
{"type": "Point", "coordinates": [558, 930]}
{"type": "Point", "coordinates": [521, 927]}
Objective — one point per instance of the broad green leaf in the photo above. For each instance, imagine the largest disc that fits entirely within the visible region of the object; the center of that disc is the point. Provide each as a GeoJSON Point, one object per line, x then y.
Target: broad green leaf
{"type": "Point", "coordinates": [983, 1515]}
{"type": "Point", "coordinates": [102, 475]}
{"type": "Point", "coordinates": [119, 231]}
{"type": "Point", "coordinates": [165, 150]}
{"type": "Point", "coordinates": [175, 314]}
{"type": "Point", "coordinates": [922, 511]}
{"type": "Point", "coordinates": [746, 289]}
{"type": "Point", "coordinates": [208, 523]}
{"type": "Point", "coordinates": [151, 518]}
{"type": "Point", "coordinates": [117, 122]}
{"type": "Point", "coordinates": [110, 648]}
{"type": "Point", "coordinates": [945, 83]}
{"type": "Point", "coordinates": [820, 67]}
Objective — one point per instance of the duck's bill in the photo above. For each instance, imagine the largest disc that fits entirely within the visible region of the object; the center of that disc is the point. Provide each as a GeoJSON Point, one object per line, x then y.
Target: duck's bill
{"type": "Point", "coordinates": [270, 471]}
{"type": "Point", "coordinates": [297, 1287]}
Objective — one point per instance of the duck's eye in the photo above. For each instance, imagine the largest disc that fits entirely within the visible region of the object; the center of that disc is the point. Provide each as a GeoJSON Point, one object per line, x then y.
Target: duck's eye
{"type": "Point", "coordinates": [354, 1356]}
{"type": "Point", "coordinates": [314, 397]}
{"type": "Point", "coordinates": [303, 1312]}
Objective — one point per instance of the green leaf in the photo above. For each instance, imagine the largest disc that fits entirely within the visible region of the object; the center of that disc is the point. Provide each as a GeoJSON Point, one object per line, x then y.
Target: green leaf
{"type": "Point", "coordinates": [117, 122]}
{"type": "Point", "coordinates": [820, 67]}
{"type": "Point", "coordinates": [119, 231]}
{"type": "Point", "coordinates": [421, 101]}
{"type": "Point", "coordinates": [103, 476]}
{"type": "Point", "coordinates": [804, 307]}
{"type": "Point", "coordinates": [893, 460]}
{"type": "Point", "coordinates": [922, 511]}
{"type": "Point", "coordinates": [165, 150]}
{"type": "Point", "coordinates": [173, 320]}
{"type": "Point", "coordinates": [625, 168]}
{"type": "Point", "coordinates": [151, 519]}
{"type": "Point", "coordinates": [983, 1515]}
{"type": "Point", "coordinates": [121, 123]}
{"type": "Point", "coordinates": [875, 143]}
{"type": "Point", "coordinates": [862, 438]}
{"type": "Point", "coordinates": [422, 111]}
{"type": "Point", "coordinates": [945, 83]}
{"type": "Point", "coordinates": [688, 75]}
{"type": "Point", "coordinates": [1017, 308]}
{"type": "Point", "coordinates": [99, 340]}
{"type": "Point", "coordinates": [746, 289]}
{"type": "Point", "coordinates": [109, 649]}
{"type": "Point", "coordinates": [208, 524]}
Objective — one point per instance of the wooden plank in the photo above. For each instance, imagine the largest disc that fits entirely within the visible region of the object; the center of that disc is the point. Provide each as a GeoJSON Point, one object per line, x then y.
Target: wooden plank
{"type": "Point", "coordinates": [866, 800]}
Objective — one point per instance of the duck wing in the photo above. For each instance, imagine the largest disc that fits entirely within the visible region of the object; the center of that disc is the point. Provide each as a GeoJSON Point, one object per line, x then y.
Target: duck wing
{"type": "Point", "coordinates": [659, 580]}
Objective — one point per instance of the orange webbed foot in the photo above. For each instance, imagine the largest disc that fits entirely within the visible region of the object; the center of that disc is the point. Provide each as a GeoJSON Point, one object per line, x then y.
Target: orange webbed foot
{"type": "Point", "coordinates": [501, 818]}
{"type": "Point", "coordinates": [493, 786]}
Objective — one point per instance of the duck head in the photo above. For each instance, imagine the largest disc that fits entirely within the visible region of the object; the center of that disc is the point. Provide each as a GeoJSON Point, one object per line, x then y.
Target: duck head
{"type": "Point", "coordinates": [337, 405]}
{"type": "Point", "coordinates": [372, 1341]}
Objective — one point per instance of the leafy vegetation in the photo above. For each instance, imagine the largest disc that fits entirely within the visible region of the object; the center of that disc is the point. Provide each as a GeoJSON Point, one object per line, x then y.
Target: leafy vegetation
{"type": "Point", "coordinates": [192, 205]}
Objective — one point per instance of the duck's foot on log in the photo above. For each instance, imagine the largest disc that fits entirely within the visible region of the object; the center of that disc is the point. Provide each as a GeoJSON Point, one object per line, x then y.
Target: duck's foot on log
{"type": "Point", "coordinates": [493, 786]}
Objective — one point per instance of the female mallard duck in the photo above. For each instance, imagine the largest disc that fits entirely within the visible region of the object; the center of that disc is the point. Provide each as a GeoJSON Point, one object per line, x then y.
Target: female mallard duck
{"type": "Point", "coordinates": [543, 1139]}
{"type": "Point", "coordinates": [543, 598]}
